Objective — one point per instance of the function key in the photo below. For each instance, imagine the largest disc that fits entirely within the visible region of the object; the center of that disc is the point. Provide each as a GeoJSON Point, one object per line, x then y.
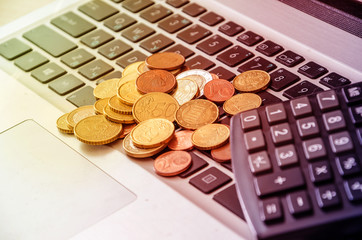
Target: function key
{"type": "Point", "coordinates": [193, 34]}
{"type": "Point", "coordinates": [156, 43]}
{"type": "Point", "coordinates": [210, 180]}
{"type": "Point", "coordinates": [136, 6]}
{"type": "Point", "coordinates": [137, 32]}
{"type": "Point", "coordinates": [96, 38]}
{"type": "Point", "coordinates": [289, 58]}
{"type": "Point", "coordinates": [250, 120]}
{"type": "Point", "coordinates": [276, 113]}
{"type": "Point", "coordinates": [177, 3]}
{"type": "Point", "coordinates": [77, 58]}
{"type": "Point", "coordinates": [155, 13]}
{"type": "Point", "coordinates": [82, 97]}
{"type": "Point", "coordinates": [234, 56]}
{"type": "Point", "coordinates": [286, 155]}
{"type": "Point", "coordinates": [181, 49]}
{"type": "Point", "coordinates": [199, 62]}
{"type": "Point", "coordinates": [314, 148]}
{"type": "Point", "coordinates": [193, 9]}
{"type": "Point", "coordinates": [211, 18]}
{"type": "Point", "coordinates": [119, 21]}
{"type": "Point", "coordinates": [254, 140]}
{"type": "Point", "coordinates": [73, 24]}
{"type": "Point", "coordinates": [333, 120]}
{"type": "Point", "coordinates": [298, 202]}
{"type": "Point", "coordinates": [356, 114]}
{"type": "Point", "coordinates": [271, 210]}
{"type": "Point", "coordinates": [281, 79]}
{"type": "Point", "coordinates": [327, 196]}
{"type": "Point", "coordinates": [353, 93]}
{"type": "Point", "coordinates": [13, 48]}
{"type": "Point", "coordinates": [222, 73]}
{"type": "Point", "coordinates": [281, 134]}
{"type": "Point", "coordinates": [230, 28]}
{"type": "Point", "coordinates": [48, 72]}
{"type": "Point", "coordinates": [30, 61]}
{"type": "Point", "coordinates": [353, 189]}
{"type": "Point", "coordinates": [312, 70]}
{"type": "Point", "coordinates": [300, 89]}
{"type": "Point", "coordinates": [95, 69]}
{"type": "Point", "coordinates": [301, 107]}
{"type": "Point", "coordinates": [98, 10]}
{"type": "Point", "coordinates": [348, 165]}
{"type": "Point", "coordinates": [269, 48]}
{"type": "Point", "coordinates": [257, 63]}
{"type": "Point", "coordinates": [65, 84]}
{"type": "Point", "coordinates": [320, 171]}
{"type": "Point", "coordinates": [307, 127]}
{"type": "Point", "coordinates": [340, 142]}
{"type": "Point", "coordinates": [334, 80]}
{"type": "Point", "coordinates": [213, 45]}
{"type": "Point", "coordinates": [259, 162]}
{"type": "Point", "coordinates": [174, 23]}
{"type": "Point", "coordinates": [250, 38]}
{"type": "Point", "coordinates": [327, 100]}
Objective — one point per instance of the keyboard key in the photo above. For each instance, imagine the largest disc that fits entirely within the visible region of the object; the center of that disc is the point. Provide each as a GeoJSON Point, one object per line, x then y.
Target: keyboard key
{"type": "Point", "coordinates": [210, 180]}
{"type": "Point", "coordinates": [327, 196]}
{"type": "Point", "coordinates": [174, 23]}
{"type": "Point", "coordinates": [181, 49]}
{"type": "Point", "coordinates": [250, 38]}
{"type": "Point", "coordinates": [334, 80]}
{"type": "Point", "coordinates": [289, 58]}
{"type": "Point", "coordinates": [254, 140]}
{"type": "Point", "coordinates": [13, 48]}
{"type": "Point", "coordinates": [119, 22]}
{"type": "Point", "coordinates": [98, 10]}
{"type": "Point", "coordinates": [30, 61]}
{"type": "Point", "coordinates": [177, 3]}
{"type": "Point", "coordinates": [213, 45]}
{"type": "Point", "coordinates": [193, 34]}
{"type": "Point", "coordinates": [267, 98]}
{"type": "Point", "coordinates": [229, 199]}
{"type": "Point", "coordinates": [286, 155]}
{"type": "Point", "coordinates": [234, 56]}
{"type": "Point", "coordinates": [259, 162]}
{"type": "Point", "coordinates": [73, 24]}
{"type": "Point", "coordinates": [136, 6]}
{"type": "Point", "coordinates": [320, 171]}
{"type": "Point", "coordinates": [269, 48]}
{"type": "Point", "coordinates": [199, 62]}
{"type": "Point", "coordinates": [116, 74]}
{"type": "Point", "coordinates": [279, 181]}
{"type": "Point", "coordinates": [197, 164]}
{"type": "Point", "coordinates": [134, 56]}
{"type": "Point", "coordinates": [356, 114]}
{"type": "Point", "coordinates": [333, 120]}
{"type": "Point", "coordinates": [211, 18]}
{"type": "Point", "coordinates": [230, 28]}
{"type": "Point", "coordinates": [307, 127]}
{"type": "Point", "coordinates": [276, 113]}
{"type": "Point", "coordinates": [222, 73]}
{"type": "Point", "coordinates": [47, 72]}
{"type": "Point", "coordinates": [250, 120]}
{"type": "Point", "coordinates": [82, 97]}
{"type": "Point", "coordinates": [348, 165]}
{"type": "Point", "coordinates": [353, 93]}
{"type": "Point", "coordinates": [340, 142]}
{"type": "Point", "coordinates": [156, 43]}
{"type": "Point", "coordinates": [312, 70]}
{"type": "Point", "coordinates": [270, 210]}
{"type": "Point", "coordinates": [281, 134]}
{"type": "Point", "coordinates": [257, 63]}
{"type": "Point", "coordinates": [314, 148]}
{"type": "Point", "coordinates": [298, 203]}
{"type": "Point", "coordinates": [95, 69]}
{"type": "Point", "coordinates": [77, 58]}
{"type": "Point", "coordinates": [327, 100]}
{"type": "Point", "coordinates": [282, 78]}
{"type": "Point", "coordinates": [114, 49]}
{"type": "Point", "coordinates": [96, 38]}
{"type": "Point", "coordinates": [301, 107]}
{"type": "Point", "coordinates": [155, 13]}
{"type": "Point", "coordinates": [49, 40]}
{"type": "Point", "coordinates": [353, 189]}
{"type": "Point", "coordinates": [359, 135]}
{"type": "Point", "coordinates": [137, 32]}
{"type": "Point", "coordinates": [65, 84]}
{"type": "Point", "coordinates": [193, 9]}
{"type": "Point", "coordinates": [301, 89]}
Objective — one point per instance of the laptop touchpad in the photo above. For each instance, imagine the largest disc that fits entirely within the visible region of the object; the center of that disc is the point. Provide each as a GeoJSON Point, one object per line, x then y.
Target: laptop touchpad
{"type": "Point", "coordinates": [48, 190]}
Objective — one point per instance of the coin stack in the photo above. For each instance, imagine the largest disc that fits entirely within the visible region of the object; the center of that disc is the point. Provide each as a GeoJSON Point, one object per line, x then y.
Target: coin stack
{"type": "Point", "coordinates": [159, 103]}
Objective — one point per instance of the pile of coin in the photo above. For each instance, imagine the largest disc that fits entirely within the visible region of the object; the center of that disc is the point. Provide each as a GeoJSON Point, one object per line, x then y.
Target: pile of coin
{"type": "Point", "coordinates": [159, 103]}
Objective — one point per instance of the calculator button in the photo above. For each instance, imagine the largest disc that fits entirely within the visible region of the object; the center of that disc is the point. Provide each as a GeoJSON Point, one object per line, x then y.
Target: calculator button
{"type": "Point", "coordinates": [271, 210]}
{"type": "Point", "coordinates": [301, 89]}
{"type": "Point", "coordinates": [353, 189]}
{"type": "Point", "coordinates": [314, 148]}
{"type": "Point", "coordinates": [312, 70]}
{"type": "Point", "coordinates": [333, 120]}
{"type": "Point", "coordinates": [327, 196]}
{"type": "Point", "coordinates": [254, 140]}
{"type": "Point", "coordinates": [327, 100]}
{"type": "Point", "coordinates": [281, 134]}
{"type": "Point", "coordinates": [289, 58]}
{"type": "Point", "coordinates": [298, 202]}
{"type": "Point", "coordinates": [334, 80]}
{"type": "Point", "coordinates": [281, 79]}
{"type": "Point", "coordinates": [286, 155]}
{"type": "Point", "coordinates": [301, 107]}
{"type": "Point", "coordinates": [348, 165]}
{"type": "Point", "coordinates": [231, 28]}
{"type": "Point", "coordinates": [356, 114]}
{"type": "Point", "coordinates": [250, 38]}
{"type": "Point", "coordinates": [210, 180]}
{"type": "Point", "coordinates": [353, 93]}
{"type": "Point", "coordinates": [307, 127]}
{"type": "Point", "coordinates": [320, 171]}
{"type": "Point", "coordinates": [250, 120]}
{"type": "Point", "coordinates": [276, 113]}
{"type": "Point", "coordinates": [279, 181]}
{"type": "Point", "coordinates": [340, 142]}
{"type": "Point", "coordinates": [259, 162]}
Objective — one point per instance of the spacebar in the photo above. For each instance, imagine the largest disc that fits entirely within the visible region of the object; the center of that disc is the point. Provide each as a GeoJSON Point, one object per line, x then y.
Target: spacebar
{"type": "Point", "coordinates": [49, 40]}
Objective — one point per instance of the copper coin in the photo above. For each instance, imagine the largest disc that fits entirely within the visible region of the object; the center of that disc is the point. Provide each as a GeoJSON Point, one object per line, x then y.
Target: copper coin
{"type": "Point", "coordinates": [214, 76]}
{"type": "Point", "coordinates": [181, 141]}
{"type": "Point", "coordinates": [127, 128]}
{"type": "Point", "coordinates": [165, 61]}
{"type": "Point", "coordinates": [172, 163]}
{"type": "Point", "coordinates": [222, 154]}
{"type": "Point", "coordinates": [219, 90]}
{"type": "Point", "coordinates": [156, 81]}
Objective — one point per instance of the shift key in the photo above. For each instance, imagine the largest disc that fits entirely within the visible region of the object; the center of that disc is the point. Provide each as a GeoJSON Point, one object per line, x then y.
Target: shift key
{"type": "Point", "coordinates": [49, 40]}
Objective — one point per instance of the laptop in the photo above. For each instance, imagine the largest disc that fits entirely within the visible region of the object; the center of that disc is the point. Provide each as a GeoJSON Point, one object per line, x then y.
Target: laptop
{"type": "Point", "coordinates": [55, 187]}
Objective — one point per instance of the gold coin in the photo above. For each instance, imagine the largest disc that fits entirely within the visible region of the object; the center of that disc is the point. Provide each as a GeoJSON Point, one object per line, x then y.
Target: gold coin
{"type": "Point", "coordinates": [62, 124]}
{"type": "Point", "coordinates": [128, 93]}
{"type": "Point", "coordinates": [106, 89]}
{"type": "Point", "coordinates": [129, 77]}
{"type": "Point", "coordinates": [132, 68]}
{"type": "Point", "coordinates": [187, 89]}
{"type": "Point", "coordinates": [152, 133]}
{"type": "Point", "coordinates": [155, 105]}
{"type": "Point", "coordinates": [100, 104]}
{"type": "Point", "coordinates": [242, 102]}
{"type": "Point", "coordinates": [117, 117]}
{"type": "Point", "coordinates": [78, 114]}
{"type": "Point", "coordinates": [251, 81]}
{"type": "Point", "coordinates": [142, 68]}
{"type": "Point", "coordinates": [117, 106]}
{"type": "Point", "coordinates": [210, 136]}
{"type": "Point", "coordinates": [137, 152]}
{"type": "Point", "coordinates": [196, 113]}
{"type": "Point", "coordinates": [97, 130]}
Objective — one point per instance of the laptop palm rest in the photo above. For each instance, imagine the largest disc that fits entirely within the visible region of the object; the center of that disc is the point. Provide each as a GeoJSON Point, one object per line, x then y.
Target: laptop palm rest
{"type": "Point", "coordinates": [48, 190]}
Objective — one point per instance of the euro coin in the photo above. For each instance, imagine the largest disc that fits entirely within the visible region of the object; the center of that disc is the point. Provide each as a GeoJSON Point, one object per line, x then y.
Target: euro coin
{"type": "Point", "coordinates": [127, 128]}
{"type": "Point", "coordinates": [218, 90]}
{"type": "Point", "coordinates": [62, 124]}
{"type": "Point", "coordinates": [156, 81]}
{"type": "Point", "coordinates": [181, 141]}
{"type": "Point", "coordinates": [222, 154]}
{"type": "Point", "coordinates": [132, 68]}
{"type": "Point", "coordinates": [100, 104]}
{"type": "Point", "coordinates": [137, 152]}
{"type": "Point", "coordinates": [252, 81]}
{"type": "Point", "coordinates": [210, 136]}
{"type": "Point", "coordinates": [117, 106]}
{"type": "Point", "coordinates": [78, 114]}
{"type": "Point", "coordinates": [106, 89]}
{"type": "Point", "coordinates": [165, 61]}
{"type": "Point", "coordinates": [117, 117]}
{"type": "Point", "coordinates": [172, 163]}
{"type": "Point", "coordinates": [187, 89]}
{"type": "Point", "coordinates": [128, 93]}
{"type": "Point", "coordinates": [201, 77]}
{"type": "Point", "coordinates": [129, 77]}
{"type": "Point", "coordinates": [242, 102]}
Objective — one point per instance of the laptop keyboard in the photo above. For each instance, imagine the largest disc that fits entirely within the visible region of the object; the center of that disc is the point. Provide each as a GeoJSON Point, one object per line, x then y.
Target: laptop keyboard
{"type": "Point", "coordinates": [93, 40]}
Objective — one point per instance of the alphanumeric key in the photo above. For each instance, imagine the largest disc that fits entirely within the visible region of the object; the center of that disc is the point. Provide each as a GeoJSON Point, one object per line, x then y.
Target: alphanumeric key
{"type": "Point", "coordinates": [353, 93]}
{"type": "Point", "coordinates": [95, 69]}
{"type": "Point", "coordinates": [210, 180]}
{"type": "Point", "coordinates": [230, 28]}
{"type": "Point", "coordinates": [281, 133]}
{"type": "Point", "coordinates": [282, 78]}
{"type": "Point", "coordinates": [333, 120]}
{"type": "Point", "coordinates": [155, 13]}
{"type": "Point", "coordinates": [77, 58]}
{"type": "Point", "coordinates": [181, 49]}
{"type": "Point", "coordinates": [47, 72]}
{"type": "Point", "coordinates": [134, 56]}
{"type": "Point", "coordinates": [223, 73]}
{"type": "Point", "coordinates": [13, 48]}
{"type": "Point", "coordinates": [65, 84]}
{"type": "Point", "coordinates": [269, 48]}
{"type": "Point", "coordinates": [340, 142]}
{"type": "Point", "coordinates": [119, 22]}
{"type": "Point", "coordinates": [270, 210]}
{"type": "Point", "coordinates": [276, 113]}
{"type": "Point", "coordinates": [98, 10]}
{"type": "Point", "coordinates": [289, 58]}
{"type": "Point", "coordinates": [96, 38]}
{"type": "Point", "coordinates": [327, 196]}
{"type": "Point", "coordinates": [250, 120]}
{"type": "Point", "coordinates": [314, 148]}
{"type": "Point", "coordinates": [327, 100]}
{"type": "Point", "coordinates": [213, 45]}
{"type": "Point", "coordinates": [250, 38]}
{"type": "Point", "coordinates": [234, 56]}
{"type": "Point", "coordinates": [348, 164]}
{"type": "Point", "coordinates": [301, 89]}
{"type": "Point", "coordinates": [259, 162]}
{"type": "Point", "coordinates": [73, 24]}
{"type": "Point", "coordinates": [257, 63]}
{"type": "Point", "coordinates": [114, 49]}
{"type": "Point", "coordinates": [211, 18]}
{"type": "Point", "coordinates": [137, 32]}
{"type": "Point", "coordinates": [307, 127]}
{"type": "Point", "coordinates": [298, 202]}
{"type": "Point", "coordinates": [82, 97]}
{"type": "Point", "coordinates": [156, 43]}
{"type": "Point", "coordinates": [268, 98]}
{"type": "Point", "coordinates": [193, 34]}
{"type": "Point", "coordinates": [177, 3]}
{"type": "Point", "coordinates": [356, 114]}
{"type": "Point", "coordinates": [286, 155]}
{"type": "Point", "coordinates": [301, 107]}
{"type": "Point", "coordinates": [194, 9]}
{"type": "Point", "coordinates": [334, 80]}
{"type": "Point", "coordinates": [353, 189]}
{"type": "Point", "coordinates": [199, 62]}
{"type": "Point", "coordinates": [30, 61]}
{"type": "Point", "coordinates": [136, 6]}
{"type": "Point", "coordinates": [312, 70]}
{"type": "Point", "coordinates": [174, 23]}
{"type": "Point", "coordinates": [320, 171]}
